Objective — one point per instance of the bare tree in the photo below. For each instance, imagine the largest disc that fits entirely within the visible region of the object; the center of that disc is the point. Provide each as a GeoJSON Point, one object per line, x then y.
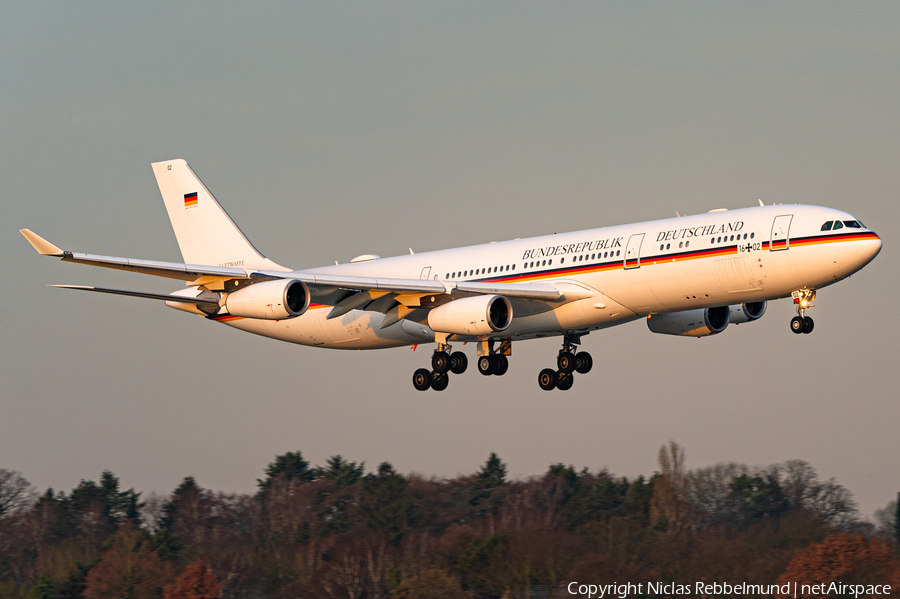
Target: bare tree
{"type": "Point", "coordinates": [708, 489]}
{"type": "Point", "coordinates": [829, 500]}
{"type": "Point", "coordinates": [16, 493]}
{"type": "Point", "coordinates": [799, 481]}
{"type": "Point", "coordinates": [669, 502]}
{"type": "Point", "coordinates": [886, 519]}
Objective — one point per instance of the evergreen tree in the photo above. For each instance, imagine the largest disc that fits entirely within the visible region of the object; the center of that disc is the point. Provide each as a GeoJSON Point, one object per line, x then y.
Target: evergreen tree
{"type": "Point", "coordinates": [341, 472]}
{"type": "Point", "coordinates": [384, 504]}
{"type": "Point", "coordinates": [492, 474]}
{"type": "Point", "coordinates": [44, 589]}
{"type": "Point", "coordinates": [287, 467]}
{"type": "Point", "coordinates": [75, 585]}
{"type": "Point", "coordinates": [166, 542]}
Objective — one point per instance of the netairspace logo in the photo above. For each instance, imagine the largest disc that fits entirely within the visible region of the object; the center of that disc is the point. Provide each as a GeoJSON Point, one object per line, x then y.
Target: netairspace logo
{"type": "Point", "coordinates": [788, 589]}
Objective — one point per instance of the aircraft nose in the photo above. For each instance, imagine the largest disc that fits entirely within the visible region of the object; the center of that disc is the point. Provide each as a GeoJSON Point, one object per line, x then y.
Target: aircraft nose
{"type": "Point", "coordinates": [868, 249]}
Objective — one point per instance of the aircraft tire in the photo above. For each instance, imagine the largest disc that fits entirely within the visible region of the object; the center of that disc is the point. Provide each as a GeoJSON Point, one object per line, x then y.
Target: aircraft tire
{"type": "Point", "coordinates": [439, 382]}
{"type": "Point", "coordinates": [486, 365]}
{"type": "Point", "coordinates": [547, 379]}
{"type": "Point", "coordinates": [422, 379]}
{"type": "Point", "coordinates": [440, 362]}
{"type": "Point", "coordinates": [564, 381]}
{"type": "Point", "coordinates": [458, 362]}
{"type": "Point", "coordinates": [808, 325]}
{"type": "Point", "coordinates": [566, 362]}
{"type": "Point", "coordinates": [797, 325]}
{"type": "Point", "coordinates": [583, 362]}
{"type": "Point", "coordinates": [502, 365]}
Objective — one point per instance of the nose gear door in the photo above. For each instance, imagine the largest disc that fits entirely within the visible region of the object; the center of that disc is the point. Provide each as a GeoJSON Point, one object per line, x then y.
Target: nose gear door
{"type": "Point", "coordinates": [780, 229]}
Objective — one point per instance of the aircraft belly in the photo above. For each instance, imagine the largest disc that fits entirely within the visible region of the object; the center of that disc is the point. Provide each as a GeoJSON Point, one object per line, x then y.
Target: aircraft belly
{"type": "Point", "coordinates": [676, 284]}
{"type": "Point", "coordinates": [632, 288]}
{"type": "Point", "coordinates": [596, 312]}
{"type": "Point", "coordinates": [355, 330]}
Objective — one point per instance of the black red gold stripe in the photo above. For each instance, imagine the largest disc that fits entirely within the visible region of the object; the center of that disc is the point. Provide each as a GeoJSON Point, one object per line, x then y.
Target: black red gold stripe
{"type": "Point", "coordinates": [669, 258]}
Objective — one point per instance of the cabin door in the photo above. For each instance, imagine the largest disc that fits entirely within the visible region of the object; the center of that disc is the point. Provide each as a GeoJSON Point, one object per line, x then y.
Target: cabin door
{"type": "Point", "coordinates": [780, 229]}
{"type": "Point", "coordinates": [633, 251]}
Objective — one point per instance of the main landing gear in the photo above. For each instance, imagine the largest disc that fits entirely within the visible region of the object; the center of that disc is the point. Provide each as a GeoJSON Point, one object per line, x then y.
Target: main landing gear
{"type": "Point", "coordinates": [443, 362]}
{"type": "Point", "coordinates": [803, 299]}
{"type": "Point", "coordinates": [496, 364]}
{"type": "Point", "coordinates": [568, 363]}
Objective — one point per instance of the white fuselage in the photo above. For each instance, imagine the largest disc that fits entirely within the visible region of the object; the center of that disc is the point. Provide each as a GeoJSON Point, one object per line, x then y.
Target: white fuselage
{"type": "Point", "coordinates": [615, 274]}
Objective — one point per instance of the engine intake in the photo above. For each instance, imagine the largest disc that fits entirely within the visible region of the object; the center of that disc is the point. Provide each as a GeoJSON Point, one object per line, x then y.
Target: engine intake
{"type": "Point", "coordinates": [480, 315]}
{"type": "Point", "coordinates": [749, 312]}
{"type": "Point", "coordinates": [272, 300]}
{"type": "Point", "coordinates": [691, 323]}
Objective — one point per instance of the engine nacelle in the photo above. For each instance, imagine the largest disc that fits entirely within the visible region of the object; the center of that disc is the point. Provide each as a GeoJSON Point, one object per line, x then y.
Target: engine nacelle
{"type": "Point", "coordinates": [272, 300]}
{"type": "Point", "coordinates": [480, 315]}
{"type": "Point", "coordinates": [691, 323]}
{"type": "Point", "coordinates": [747, 312]}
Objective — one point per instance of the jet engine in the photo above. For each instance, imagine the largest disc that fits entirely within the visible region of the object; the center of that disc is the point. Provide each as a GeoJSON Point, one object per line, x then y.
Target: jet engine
{"type": "Point", "coordinates": [272, 300]}
{"type": "Point", "coordinates": [747, 312]}
{"type": "Point", "coordinates": [479, 315]}
{"type": "Point", "coordinates": [691, 323]}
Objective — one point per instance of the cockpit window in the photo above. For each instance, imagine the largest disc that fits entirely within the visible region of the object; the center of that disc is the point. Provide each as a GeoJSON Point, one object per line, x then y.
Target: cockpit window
{"type": "Point", "coordinates": [837, 225]}
{"type": "Point", "coordinates": [852, 224]}
{"type": "Point", "coordinates": [827, 226]}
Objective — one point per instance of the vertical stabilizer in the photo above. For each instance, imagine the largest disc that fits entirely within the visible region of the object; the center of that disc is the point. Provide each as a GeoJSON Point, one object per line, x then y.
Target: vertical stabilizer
{"type": "Point", "coordinates": [205, 232]}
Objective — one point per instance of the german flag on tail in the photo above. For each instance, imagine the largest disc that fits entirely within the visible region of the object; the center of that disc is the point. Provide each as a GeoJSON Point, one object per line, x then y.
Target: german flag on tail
{"type": "Point", "coordinates": [190, 199]}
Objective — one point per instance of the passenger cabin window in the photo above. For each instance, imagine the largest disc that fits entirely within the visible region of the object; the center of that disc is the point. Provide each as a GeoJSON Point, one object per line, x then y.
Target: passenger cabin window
{"type": "Point", "coordinates": [827, 225]}
{"type": "Point", "coordinates": [852, 224]}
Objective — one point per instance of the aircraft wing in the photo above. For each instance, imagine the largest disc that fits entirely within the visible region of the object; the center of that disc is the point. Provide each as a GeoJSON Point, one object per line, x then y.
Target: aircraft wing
{"type": "Point", "coordinates": [197, 274]}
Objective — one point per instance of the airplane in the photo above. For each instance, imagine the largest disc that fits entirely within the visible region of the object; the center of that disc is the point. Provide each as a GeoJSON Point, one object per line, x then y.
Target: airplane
{"type": "Point", "coordinates": [690, 276]}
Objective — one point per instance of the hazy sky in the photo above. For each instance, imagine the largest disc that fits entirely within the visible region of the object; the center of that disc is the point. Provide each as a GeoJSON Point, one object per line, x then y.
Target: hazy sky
{"type": "Point", "coordinates": [329, 130]}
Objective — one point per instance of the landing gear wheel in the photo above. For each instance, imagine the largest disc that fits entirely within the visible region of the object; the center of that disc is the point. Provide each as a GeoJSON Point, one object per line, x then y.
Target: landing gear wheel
{"type": "Point", "coordinates": [566, 362]}
{"type": "Point", "coordinates": [547, 379]}
{"type": "Point", "coordinates": [422, 379]}
{"type": "Point", "coordinates": [502, 365]}
{"type": "Point", "coordinates": [583, 362]}
{"type": "Point", "coordinates": [808, 325]}
{"type": "Point", "coordinates": [797, 324]}
{"type": "Point", "coordinates": [439, 382]}
{"type": "Point", "coordinates": [458, 362]}
{"type": "Point", "coordinates": [440, 362]}
{"type": "Point", "coordinates": [487, 365]}
{"type": "Point", "coordinates": [564, 381]}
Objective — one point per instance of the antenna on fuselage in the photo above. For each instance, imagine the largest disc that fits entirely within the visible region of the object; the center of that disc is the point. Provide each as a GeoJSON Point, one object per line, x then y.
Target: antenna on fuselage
{"type": "Point", "coordinates": [760, 202]}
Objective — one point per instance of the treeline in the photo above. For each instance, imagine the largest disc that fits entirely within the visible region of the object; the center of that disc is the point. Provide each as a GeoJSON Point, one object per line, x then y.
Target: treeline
{"type": "Point", "coordinates": [335, 531]}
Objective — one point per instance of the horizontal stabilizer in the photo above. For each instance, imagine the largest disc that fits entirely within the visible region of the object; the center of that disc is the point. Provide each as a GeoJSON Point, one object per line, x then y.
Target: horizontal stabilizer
{"type": "Point", "coordinates": [43, 247]}
{"type": "Point", "coordinates": [208, 299]}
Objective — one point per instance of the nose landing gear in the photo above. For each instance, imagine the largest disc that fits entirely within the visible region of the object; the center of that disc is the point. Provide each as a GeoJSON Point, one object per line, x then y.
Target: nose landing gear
{"type": "Point", "coordinates": [803, 299]}
{"type": "Point", "coordinates": [443, 362]}
{"type": "Point", "coordinates": [568, 362]}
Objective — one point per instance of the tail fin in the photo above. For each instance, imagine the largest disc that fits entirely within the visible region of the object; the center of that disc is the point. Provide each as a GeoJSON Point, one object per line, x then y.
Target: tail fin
{"type": "Point", "coordinates": [205, 232]}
